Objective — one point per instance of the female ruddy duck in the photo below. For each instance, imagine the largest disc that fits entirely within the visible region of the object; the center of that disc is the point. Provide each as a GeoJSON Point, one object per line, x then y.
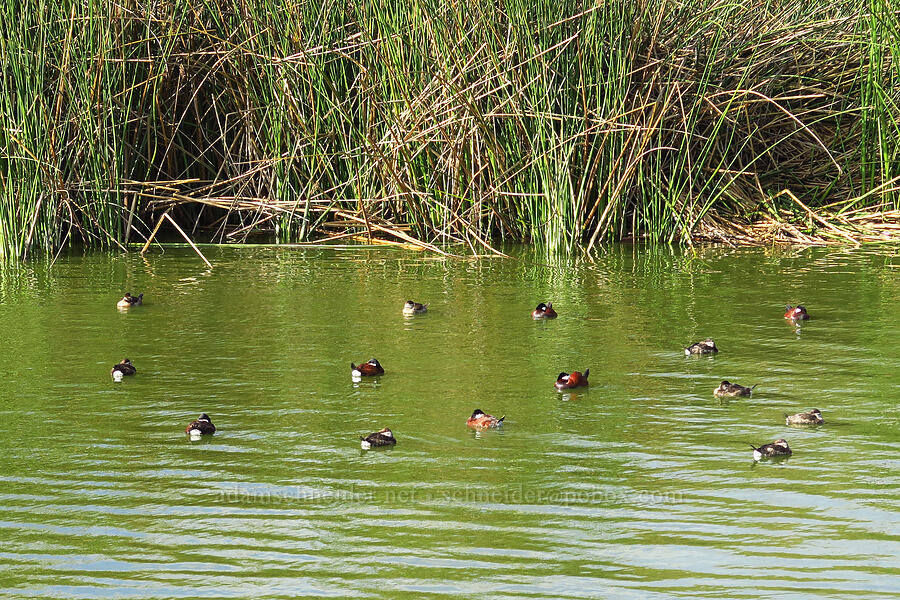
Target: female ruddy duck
{"type": "Point", "coordinates": [414, 308]}
{"type": "Point", "coordinates": [727, 388]}
{"type": "Point", "coordinates": [776, 448]}
{"type": "Point", "coordinates": [384, 437]}
{"type": "Point", "coordinates": [544, 311]}
{"type": "Point", "coordinates": [707, 346]}
{"type": "Point", "coordinates": [567, 381]}
{"type": "Point", "coordinates": [797, 313]}
{"type": "Point", "coordinates": [366, 369]}
{"type": "Point", "coordinates": [202, 426]}
{"type": "Point", "coordinates": [813, 417]}
{"type": "Point", "coordinates": [130, 300]}
{"type": "Point", "coordinates": [480, 420]}
{"type": "Point", "coordinates": [123, 368]}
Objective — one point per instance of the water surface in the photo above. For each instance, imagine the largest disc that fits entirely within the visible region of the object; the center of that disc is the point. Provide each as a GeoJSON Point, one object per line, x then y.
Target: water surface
{"type": "Point", "coordinates": [641, 486]}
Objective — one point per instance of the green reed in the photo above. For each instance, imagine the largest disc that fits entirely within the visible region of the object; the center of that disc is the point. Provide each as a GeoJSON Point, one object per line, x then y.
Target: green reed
{"type": "Point", "coordinates": [559, 123]}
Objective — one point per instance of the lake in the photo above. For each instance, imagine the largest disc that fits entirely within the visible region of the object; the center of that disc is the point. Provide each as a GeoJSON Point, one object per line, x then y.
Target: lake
{"type": "Point", "coordinates": [641, 485]}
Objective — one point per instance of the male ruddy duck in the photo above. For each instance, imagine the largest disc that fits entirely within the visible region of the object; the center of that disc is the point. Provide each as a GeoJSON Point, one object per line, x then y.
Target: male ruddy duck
{"type": "Point", "coordinates": [202, 426]}
{"type": "Point", "coordinates": [123, 368]}
{"type": "Point", "coordinates": [707, 346]}
{"type": "Point", "coordinates": [130, 300]}
{"type": "Point", "coordinates": [813, 417]}
{"type": "Point", "coordinates": [567, 381]}
{"type": "Point", "coordinates": [544, 311]}
{"type": "Point", "coordinates": [366, 369]}
{"type": "Point", "coordinates": [383, 437]}
{"type": "Point", "coordinates": [727, 389]}
{"type": "Point", "coordinates": [776, 448]}
{"type": "Point", "coordinates": [414, 308]}
{"type": "Point", "coordinates": [480, 420]}
{"type": "Point", "coordinates": [797, 313]}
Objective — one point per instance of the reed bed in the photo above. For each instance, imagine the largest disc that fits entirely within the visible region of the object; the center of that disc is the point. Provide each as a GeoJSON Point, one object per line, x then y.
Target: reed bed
{"type": "Point", "coordinates": [430, 123]}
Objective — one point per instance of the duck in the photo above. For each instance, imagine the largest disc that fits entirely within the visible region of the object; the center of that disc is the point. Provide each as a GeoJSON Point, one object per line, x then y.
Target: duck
{"type": "Point", "coordinates": [726, 388]}
{"type": "Point", "coordinates": [480, 420]}
{"type": "Point", "coordinates": [202, 426]}
{"type": "Point", "coordinates": [382, 437]}
{"type": "Point", "coordinates": [414, 308]}
{"type": "Point", "coordinates": [567, 381]}
{"type": "Point", "coordinates": [129, 300]}
{"type": "Point", "coordinates": [544, 311]}
{"type": "Point", "coordinates": [777, 448]}
{"type": "Point", "coordinates": [367, 369]}
{"type": "Point", "coordinates": [797, 313]}
{"type": "Point", "coordinates": [813, 417]}
{"type": "Point", "coordinates": [123, 368]}
{"type": "Point", "coordinates": [707, 346]}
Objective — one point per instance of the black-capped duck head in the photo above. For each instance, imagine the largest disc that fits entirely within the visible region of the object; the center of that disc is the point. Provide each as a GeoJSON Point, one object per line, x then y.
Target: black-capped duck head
{"type": "Point", "coordinates": [374, 362]}
{"type": "Point", "coordinates": [477, 413]}
{"type": "Point", "coordinates": [795, 312]}
{"type": "Point", "coordinates": [203, 417]}
{"type": "Point", "coordinates": [725, 383]}
{"type": "Point", "coordinates": [410, 304]}
{"type": "Point", "coordinates": [816, 412]}
{"type": "Point", "coordinates": [386, 432]}
{"type": "Point", "coordinates": [781, 443]}
{"type": "Point", "coordinates": [541, 307]}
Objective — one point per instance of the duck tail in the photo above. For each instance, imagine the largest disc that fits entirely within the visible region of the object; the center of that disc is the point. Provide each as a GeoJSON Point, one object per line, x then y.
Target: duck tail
{"type": "Point", "coordinates": [751, 445]}
{"type": "Point", "coordinates": [352, 366]}
{"type": "Point", "coordinates": [753, 387]}
{"type": "Point", "coordinates": [586, 373]}
{"type": "Point", "coordinates": [500, 420]}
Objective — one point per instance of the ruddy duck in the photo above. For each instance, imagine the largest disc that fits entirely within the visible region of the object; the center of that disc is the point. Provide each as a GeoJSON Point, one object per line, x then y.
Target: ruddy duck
{"type": "Point", "coordinates": [544, 311]}
{"type": "Point", "coordinates": [707, 346]}
{"type": "Point", "coordinates": [130, 300]}
{"type": "Point", "coordinates": [813, 417]}
{"type": "Point", "coordinates": [797, 313]}
{"type": "Point", "coordinates": [123, 368]}
{"type": "Point", "coordinates": [366, 369]}
{"type": "Point", "coordinates": [202, 426]}
{"type": "Point", "coordinates": [414, 308]}
{"type": "Point", "coordinates": [727, 388]}
{"type": "Point", "coordinates": [567, 381]}
{"type": "Point", "coordinates": [480, 420]}
{"type": "Point", "coordinates": [776, 448]}
{"type": "Point", "coordinates": [384, 437]}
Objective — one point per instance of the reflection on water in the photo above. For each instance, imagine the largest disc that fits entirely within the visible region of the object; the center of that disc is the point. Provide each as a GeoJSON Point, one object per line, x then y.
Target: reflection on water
{"type": "Point", "coordinates": [641, 485]}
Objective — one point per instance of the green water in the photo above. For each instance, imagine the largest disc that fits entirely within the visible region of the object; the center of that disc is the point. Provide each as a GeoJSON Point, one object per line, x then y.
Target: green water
{"type": "Point", "coordinates": [641, 486]}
